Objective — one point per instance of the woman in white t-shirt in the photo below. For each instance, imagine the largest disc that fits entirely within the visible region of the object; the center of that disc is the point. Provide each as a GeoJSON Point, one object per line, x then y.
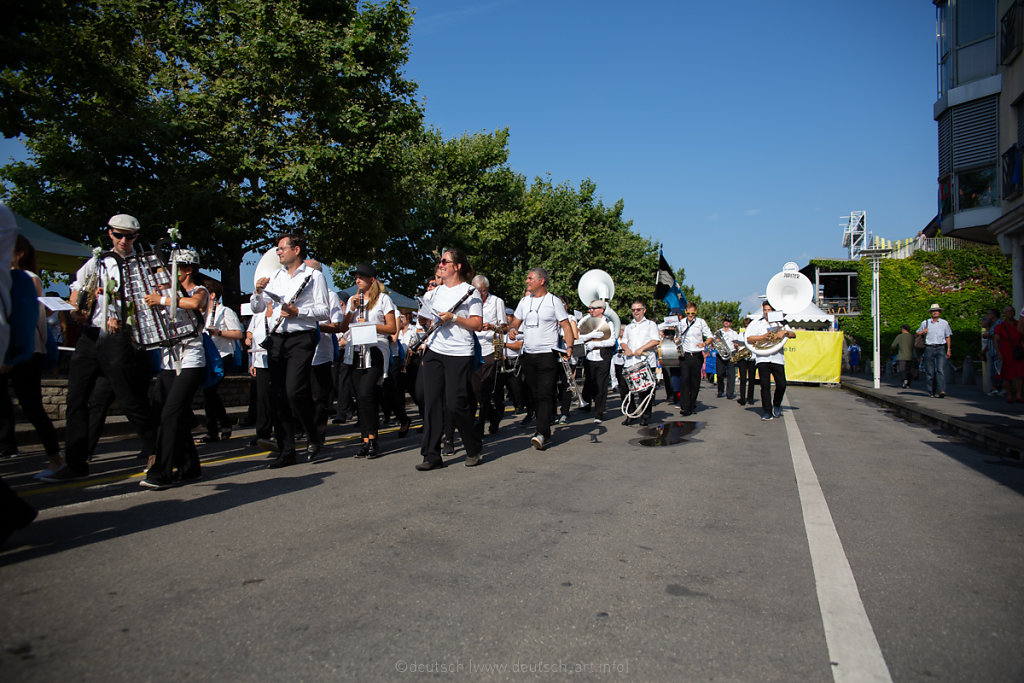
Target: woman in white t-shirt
{"type": "Point", "coordinates": [184, 368]}
{"type": "Point", "coordinates": [449, 361]}
{"type": "Point", "coordinates": [369, 361]}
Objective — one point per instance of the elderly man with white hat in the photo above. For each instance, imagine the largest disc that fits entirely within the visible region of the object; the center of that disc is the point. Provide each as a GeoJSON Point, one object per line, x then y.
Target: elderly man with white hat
{"type": "Point", "coordinates": [105, 349]}
{"type": "Point", "coordinates": [938, 340]}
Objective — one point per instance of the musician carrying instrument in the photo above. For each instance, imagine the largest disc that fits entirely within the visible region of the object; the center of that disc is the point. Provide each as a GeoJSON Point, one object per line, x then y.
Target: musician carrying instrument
{"type": "Point", "coordinates": [789, 292]}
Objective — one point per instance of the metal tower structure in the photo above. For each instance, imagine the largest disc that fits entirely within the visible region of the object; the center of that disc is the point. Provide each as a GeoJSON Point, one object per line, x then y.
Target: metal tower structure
{"type": "Point", "coordinates": [855, 233]}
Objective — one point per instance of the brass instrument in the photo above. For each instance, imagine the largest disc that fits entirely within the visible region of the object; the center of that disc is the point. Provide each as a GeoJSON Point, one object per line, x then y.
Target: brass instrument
{"type": "Point", "coordinates": [789, 292]}
{"type": "Point", "coordinates": [570, 376]}
{"type": "Point", "coordinates": [742, 353]}
{"type": "Point", "coordinates": [499, 343]}
{"type": "Point", "coordinates": [365, 359]}
{"type": "Point", "coordinates": [87, 295]}
{"type": "Point", "coordinates": [723, 347]}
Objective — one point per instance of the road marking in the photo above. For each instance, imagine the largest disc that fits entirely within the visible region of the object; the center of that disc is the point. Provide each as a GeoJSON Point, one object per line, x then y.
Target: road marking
{"type": "Point", "coordinates": [852, 646]}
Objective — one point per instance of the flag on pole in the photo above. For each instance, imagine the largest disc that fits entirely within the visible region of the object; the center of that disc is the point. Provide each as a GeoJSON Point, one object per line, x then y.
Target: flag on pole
{"type": "Point", "coordinates": [665, 287]}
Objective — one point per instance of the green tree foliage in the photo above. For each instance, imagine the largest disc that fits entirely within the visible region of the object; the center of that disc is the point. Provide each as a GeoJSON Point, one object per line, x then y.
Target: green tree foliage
{"type": "Point", "coordinates": [965, 282]}
{"type": "Point", "coordinates": [236, 120]}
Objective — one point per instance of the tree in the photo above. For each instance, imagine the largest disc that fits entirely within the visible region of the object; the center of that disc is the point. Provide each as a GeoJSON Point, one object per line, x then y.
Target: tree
{"type": "Point", "coordinates": [235, 120]}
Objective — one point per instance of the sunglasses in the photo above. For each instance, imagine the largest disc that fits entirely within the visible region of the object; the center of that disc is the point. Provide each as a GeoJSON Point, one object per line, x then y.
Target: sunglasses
{"type": "Point", "coordinates": [445, 262]}
{"type": "Point", "coordinates": [123, 235]}
{"type": "Point", "coordinates": [637, 310]}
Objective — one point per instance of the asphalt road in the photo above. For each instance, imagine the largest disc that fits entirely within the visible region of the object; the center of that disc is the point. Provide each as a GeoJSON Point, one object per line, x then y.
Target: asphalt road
{"type": "Point", "coordinates": [601, 558]}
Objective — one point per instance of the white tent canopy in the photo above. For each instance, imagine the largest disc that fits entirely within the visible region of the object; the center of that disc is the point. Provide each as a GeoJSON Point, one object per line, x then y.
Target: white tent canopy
{"type": "Point", "coordinates": [53, 252]}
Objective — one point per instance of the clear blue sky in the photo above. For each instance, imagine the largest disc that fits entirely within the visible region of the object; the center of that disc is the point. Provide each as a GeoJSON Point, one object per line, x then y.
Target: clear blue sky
{"type": "Point", "coordinates": [737, 133]}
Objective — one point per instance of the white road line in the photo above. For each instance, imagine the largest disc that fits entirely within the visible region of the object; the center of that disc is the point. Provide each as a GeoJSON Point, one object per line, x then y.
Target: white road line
{"type": "Point", "coordinates": [852, 646]}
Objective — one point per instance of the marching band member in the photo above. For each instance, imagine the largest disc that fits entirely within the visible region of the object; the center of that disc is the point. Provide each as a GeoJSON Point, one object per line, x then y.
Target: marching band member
{"type": "Point", "coordinates": [541, 314]}
{"type": "Point", "coordinates": [563, 392]}
{"type": "Point", "coordinates": [692, 333]}
{"type": "Point", "coordinates": [322, 373]}
{"type": "Point", "coordinates": [259, 370]}
{"type": "Point", "coordinates": [771, 366]}
{"type": "Point", "coordinates": [448, 361]}
{"type": "Point", "coordinates": [343, 389]}
{"type": "Point", "coordinates": [184, 368]}
{"type": "Point", "coordinates": [639, 339]}
{"type": "Point", "coordinates": [486, 375]}
{"type": "Point", "coordinates": [597, 362]}
{"type": "Point", "coordinates": [509, 377]}
{"type": "Point", "coordinates": [224, 327]}
{"type": "Point", "coordinates": [727, 368]}
{"type": "Point", "coordinates": [103, 353]}
{"type": "Point", "coordinates": [301, 296]}
{"type": "Point", "coordinates": [748, 371]}
{"type": "Point", "coordinates": [370, 305]}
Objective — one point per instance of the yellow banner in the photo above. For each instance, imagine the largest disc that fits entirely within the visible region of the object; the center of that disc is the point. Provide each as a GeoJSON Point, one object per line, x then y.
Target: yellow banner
{"type": "Point", "coordinates": [814, 356]}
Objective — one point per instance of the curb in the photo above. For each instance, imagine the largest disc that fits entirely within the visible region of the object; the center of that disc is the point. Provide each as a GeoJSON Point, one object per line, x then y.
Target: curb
{"type": "Point", "coordinates": [998, 442]}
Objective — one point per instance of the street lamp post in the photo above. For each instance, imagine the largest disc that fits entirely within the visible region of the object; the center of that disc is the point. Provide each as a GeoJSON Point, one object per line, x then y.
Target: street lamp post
{"type": "Point", "coordinates": [876, 254]}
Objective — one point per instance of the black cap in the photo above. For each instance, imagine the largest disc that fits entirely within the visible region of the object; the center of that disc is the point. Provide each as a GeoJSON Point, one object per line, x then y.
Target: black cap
{"type": "Point", "coordinates": [726, 318]}
{"type": "Point", "coordinates": [365, 269]}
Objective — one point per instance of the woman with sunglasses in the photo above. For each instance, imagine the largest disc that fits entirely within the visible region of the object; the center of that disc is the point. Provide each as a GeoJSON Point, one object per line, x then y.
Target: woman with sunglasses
{"type": "Point", "coordinates": [103, 353]}
{"type": "Point", "coordinates": [449, 361]}
{"type": "Point", "coordinates": [370, 305]}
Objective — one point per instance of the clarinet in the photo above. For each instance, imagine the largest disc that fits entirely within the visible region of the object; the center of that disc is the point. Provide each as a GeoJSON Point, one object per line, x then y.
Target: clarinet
{"type": "Point", "coordinates": [436, 324]}
{"type": "Point", "coordinates": [266, 342]}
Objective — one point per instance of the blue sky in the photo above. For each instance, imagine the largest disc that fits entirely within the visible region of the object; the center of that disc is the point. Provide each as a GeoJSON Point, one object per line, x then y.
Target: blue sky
{"type": "Point", "coordinates": [736, 133]}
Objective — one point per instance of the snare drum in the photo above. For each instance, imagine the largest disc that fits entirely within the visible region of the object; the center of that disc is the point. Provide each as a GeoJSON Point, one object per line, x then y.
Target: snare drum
{"type": "Point", "coordinates": [638, 377]}
{"type": "Point", "coordinates": [668, 352]}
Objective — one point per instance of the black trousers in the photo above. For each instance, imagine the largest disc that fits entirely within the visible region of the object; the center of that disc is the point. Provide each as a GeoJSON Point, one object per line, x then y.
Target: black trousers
{"type": "Point", "coordinates": [748, 371]}
{"type": "Point", "coordinates": [446, 385]}
{"type": "Point", "coordinates": [595, 383]}
{"type": "Point", "coordinates": [111, 356]}
{"type": "Point", "coordinates": [689, 380]}
{"type": "Point", "coordinates": [216, 415]}
{"type": "Point", "coordinates": [484, 380]}
{"type": "Point", "coordinates": [264, 420]}
{"type": "Point", "coordinates": [322, 377]}
{"type": "Point", "coordinates": [368, 392]}
{"type": "Point", "coordinates": [766, 373]}
{"type": "Point", "coordinates": [344, 390]}
{"type": "Point", "coordinates": [25, 377]}
{"type": "Point", "coordinates": [289, 357]}
{"type": "Point", "coordinates": [540, 373]}
{"type": "Point", "coordinates": [175, 447]}
{"type": "Point", "coordinates": [726, 377]}
{"type": "Point", "coordinates": [393, 393]}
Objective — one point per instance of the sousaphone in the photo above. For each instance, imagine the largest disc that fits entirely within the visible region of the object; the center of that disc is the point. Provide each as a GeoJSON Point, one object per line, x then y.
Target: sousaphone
{"type": "Point", "coordinates": [789, 293]}
{"type": "Point", "coordinates": [267, 266]}
{"type": "Point", "coordinates": [597, 284]}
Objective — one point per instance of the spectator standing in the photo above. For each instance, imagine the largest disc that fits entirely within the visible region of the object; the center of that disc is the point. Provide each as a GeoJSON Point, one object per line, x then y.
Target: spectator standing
{"type": "Point", "coordinates": [1007, 337]}
{"type": "Point", "coordinates": [903, 344]}
{"type": "Point", "coordinates": [938, 337]}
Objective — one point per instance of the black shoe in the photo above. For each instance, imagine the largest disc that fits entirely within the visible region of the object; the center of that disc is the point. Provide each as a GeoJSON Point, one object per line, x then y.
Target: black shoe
{"type": "Point", "coordinates": [313, 450]}
{"type": "Point", "coordinates": [282, 461]}
{"type": "Point", "coordinates": [686, 413]}
{"type": "Point", "coordinates": [428, 465]}
{"type": "Point", "coordinates": [527, 420]}
{"type": "Point", "coordinates": [720, 396]}
{"type": "Point", "coordinates": [364, 450]}
{"type": "Point", "coordinates": [731, 397]}
{"type": "Point", "coordinates": [628, 421]}
{"type": "Point", "coordinates": [643, 421]}
{"type": "Point", "coordinates": [156, 484]}
{"type": "Point", "coordinates": [473, 460]}
{"type": "Point", "coordinates": [268, 444]}
{"type": "Point", "coordinates": [448, 448]}
{"type": "Point", "coordinates": [65, 473]}
{"type": "Point", "coordinates": [340, 420]}
{"type": "Point", "coordinates": [404, 428]}
{"type": "Point", "coordinates": [373, 451]}
{"type": "Point", "coordinates": [493, 429]}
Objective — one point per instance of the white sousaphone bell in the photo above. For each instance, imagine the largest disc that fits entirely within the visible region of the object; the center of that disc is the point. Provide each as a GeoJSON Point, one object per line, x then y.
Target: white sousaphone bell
{"type": "Point", "coordinates": [268, 265]}
{"type": "Point", "coordinates": [597, 284]}
{"type": "Point", "coordinates": [789, 293]}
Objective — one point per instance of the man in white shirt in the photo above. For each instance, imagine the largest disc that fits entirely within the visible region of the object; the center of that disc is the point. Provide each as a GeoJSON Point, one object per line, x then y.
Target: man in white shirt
{"type": "Point", "coordinates": [640, 338]}
{"type": "Point", "coordinates": [692, 331]}
{"type": "Point", "coordinates": [597, 360]}
{"type": "Point", "coordinates": [541, 314]}
{"type": "Point", "coordinates": [770, 366]}
{"type": "Point", "coordinates": [300, 295]}
{"type": "Point", "coordinates": [938, 341]}
{"type": "Point", "coordinates": [726, 369]}
{"type": "Point", "coordinates": [485, 376]}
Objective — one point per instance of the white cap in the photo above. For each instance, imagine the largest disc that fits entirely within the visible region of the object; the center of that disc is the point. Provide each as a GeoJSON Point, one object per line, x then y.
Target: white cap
{"type": "Point", "coordinates": [123, 221]}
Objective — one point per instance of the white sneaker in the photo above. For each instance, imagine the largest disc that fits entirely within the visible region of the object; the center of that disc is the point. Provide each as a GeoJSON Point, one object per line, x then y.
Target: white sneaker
{"type": "Point", "coordinates": [564, 420]}
{"type": "Point", "coordinates": [597, 420]}
{"type": "Point", "coordinates": [539, 442]}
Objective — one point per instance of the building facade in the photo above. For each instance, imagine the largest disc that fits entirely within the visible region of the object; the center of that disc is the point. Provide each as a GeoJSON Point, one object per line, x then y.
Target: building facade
{"type": "Point", "coordinates": [980, 115]}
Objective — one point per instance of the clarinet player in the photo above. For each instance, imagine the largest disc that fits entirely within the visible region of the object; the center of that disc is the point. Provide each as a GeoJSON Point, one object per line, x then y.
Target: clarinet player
{"type": "Point", "coordinates": [302, 293]}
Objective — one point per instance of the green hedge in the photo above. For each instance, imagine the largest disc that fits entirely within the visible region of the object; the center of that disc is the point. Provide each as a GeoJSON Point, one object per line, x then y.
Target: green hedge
{"type": "Point", "coordinates": [965, 282]}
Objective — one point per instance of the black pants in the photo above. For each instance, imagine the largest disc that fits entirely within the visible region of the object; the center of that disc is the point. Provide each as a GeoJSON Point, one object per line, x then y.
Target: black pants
{"type": "Point", "coordinates": [689, 380]}
{"type": "Point", "coordinates": [111, 356]}
{"type": "Point", "coordinates": [322, 377]}
{"type": "Point", "coordinates": [393, 393]}
{"type": "Point", "coordinates": [766, 373]}
{"type": "Point", "coordinates": [726, 377]}
{"type": "Point", "coordinates": [540, 372]}
{"type": "Point", "coordinates": [289, 357]}
{"type": "Point", "coordinates": [344, 390]}
{"type": "Point", "coordinates": [264, 420]}
{"type": "Point", "coordinates": [446, 386]}
{"type": "Point", "coordinates": [216, 415]}
{"type": "Point", "coordinates": [748, 372]}
{"type": "Point", "coordinates": [595, 383]}
{"type": "Point", "coordinates": [513, 384]}
{"type": "Point", "coordinates": [484, 380]}
{"type": "Point", "coordinates": [367, 385]}
{"type": "Point", "coordinates": [25, 377]}
{"type": "Point", "coordinates": [175, 447]}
